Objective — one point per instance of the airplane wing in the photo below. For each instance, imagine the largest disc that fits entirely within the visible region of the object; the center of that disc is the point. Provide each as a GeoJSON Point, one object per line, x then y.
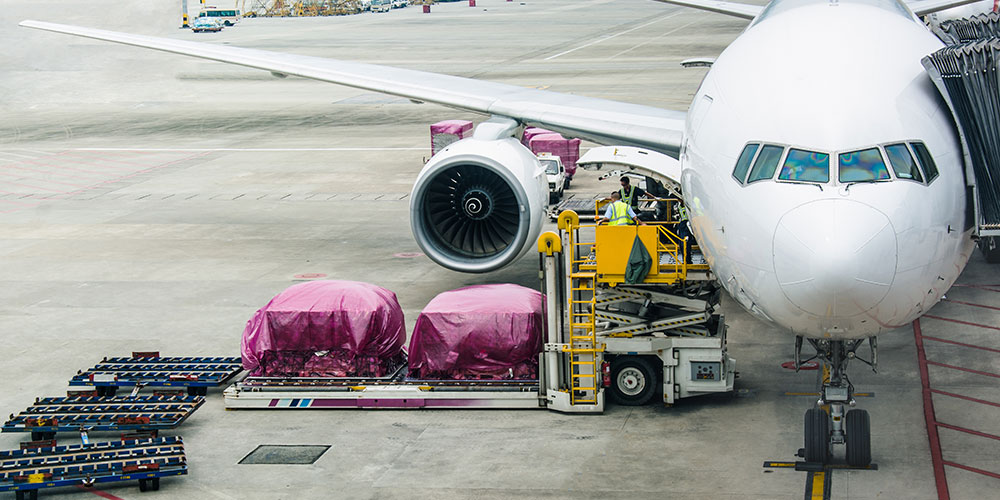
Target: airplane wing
{"type": "Point", "coordinates": [924, 7]}
{"type": "Point", "coordinates": [741, 10]}
{"type": "Point", "coordinates": [603, 121]}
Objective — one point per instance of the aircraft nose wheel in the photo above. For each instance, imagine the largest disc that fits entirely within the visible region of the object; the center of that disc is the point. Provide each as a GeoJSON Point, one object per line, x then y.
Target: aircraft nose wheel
{"type": "Point", "coordinates": [817, 436]}
{"type": "Point", "coordinates": [859, 438]}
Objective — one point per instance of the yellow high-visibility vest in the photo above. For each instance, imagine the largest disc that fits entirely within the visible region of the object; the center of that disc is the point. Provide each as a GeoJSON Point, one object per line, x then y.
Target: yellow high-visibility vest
{"type": "Point", "coordinates": [683, 213]}
{"type": "Point", "coordinates": [627, 199]}
{"type": "Point", "coordinates": [619, 214]}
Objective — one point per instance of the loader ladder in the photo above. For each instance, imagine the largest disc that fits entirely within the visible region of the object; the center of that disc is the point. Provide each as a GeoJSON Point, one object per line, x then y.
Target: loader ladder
{"type": "Point", "coordinates": [582, 346]}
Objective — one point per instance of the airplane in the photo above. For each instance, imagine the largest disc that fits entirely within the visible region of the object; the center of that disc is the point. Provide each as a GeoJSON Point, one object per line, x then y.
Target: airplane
{"type": "Point", "coordinates": [862, 229]}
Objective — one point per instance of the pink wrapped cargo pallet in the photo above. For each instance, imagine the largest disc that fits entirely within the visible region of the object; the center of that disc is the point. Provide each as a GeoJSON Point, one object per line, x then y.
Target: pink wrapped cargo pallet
{"type": "Point", "coordinates": [568, 150]}
{"type": "Point", "coordinates": [479, 332]}
{"type": "Point", "coordinates": [447, 132]}
{"type": "Point", "coordinates": [326, 329]}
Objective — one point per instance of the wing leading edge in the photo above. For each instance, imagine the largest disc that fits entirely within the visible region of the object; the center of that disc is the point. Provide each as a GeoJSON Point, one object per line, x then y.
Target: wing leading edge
{"type": "Point", "coordinates": [746, 11]}
{"type": "Point", "coordinates": [600, 120]}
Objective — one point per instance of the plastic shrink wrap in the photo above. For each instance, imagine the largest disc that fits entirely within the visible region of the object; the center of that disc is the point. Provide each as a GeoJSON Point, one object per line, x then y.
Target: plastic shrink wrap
{"type": "Point", "coordinates": [446, 132]}
{"type": "Point", "coordinates": [479, 332]}
{"type": "Point", "coordinates": [326, 329]}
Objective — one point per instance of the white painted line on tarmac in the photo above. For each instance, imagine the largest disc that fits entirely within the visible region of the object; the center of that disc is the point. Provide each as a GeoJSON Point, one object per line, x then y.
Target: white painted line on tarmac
{"type": "Point", "coordinates": [671, 32]}
{"type": "Point", "coordinates": [599, 40]}
{"type": "Point", "coordinates": [254, 150]}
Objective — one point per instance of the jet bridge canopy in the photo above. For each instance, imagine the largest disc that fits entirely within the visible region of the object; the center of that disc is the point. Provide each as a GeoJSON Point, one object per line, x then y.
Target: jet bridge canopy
{"type": "Point", "coordinates": [967, 76]}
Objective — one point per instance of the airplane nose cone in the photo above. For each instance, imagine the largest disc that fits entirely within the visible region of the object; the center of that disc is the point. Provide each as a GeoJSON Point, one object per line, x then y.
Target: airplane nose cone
{"type": "Point", "coordinates": [835, 258]}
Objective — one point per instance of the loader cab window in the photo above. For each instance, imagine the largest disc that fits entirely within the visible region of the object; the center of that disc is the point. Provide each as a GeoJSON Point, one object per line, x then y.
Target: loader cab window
{"type": "Point", "coordinates": [865, 165]}
{"type": "Point", "coordinates": [805, 166]}
{"type": "Point", "coordinates": [743, 164]}
{"type": "Point", "coordinates": [766, 163]}
{"type": "Point", "coordinates": [551, 167]}
{"type": "Point", "coordinates": [903, 163]}
{"type": "Point", "coordinates": [926, 160]}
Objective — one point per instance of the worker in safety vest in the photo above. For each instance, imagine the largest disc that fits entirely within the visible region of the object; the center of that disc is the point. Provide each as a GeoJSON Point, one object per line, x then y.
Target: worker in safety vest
{"type": "Point", "coordinates": [618, 213]}
{"type": "Point", "coordinates": [684, 231]}
{"type": "Point", "coordinates": [630, 194]}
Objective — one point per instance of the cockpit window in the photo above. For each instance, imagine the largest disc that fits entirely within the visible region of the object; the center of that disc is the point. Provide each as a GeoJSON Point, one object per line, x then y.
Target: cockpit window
{"type": "Point", "coordinates": [903, 163]}
{"type": "Point", "coordinates": [766, 164]}
{"type": "Point", "coordinates": [861, 166]}
{"type": "Point", "coordinates": [743, 164]}
{"type": "Point", "coordinates": [806, 166]}
{"type": "Point", "coordinates": [926, 160]}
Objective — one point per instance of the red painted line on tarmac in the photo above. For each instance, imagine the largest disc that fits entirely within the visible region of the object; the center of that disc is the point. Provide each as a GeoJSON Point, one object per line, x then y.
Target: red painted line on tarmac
{"type": "Point", "coordinates": [972, 304]}
{"type": "Point", "coordinates": [990, 349]}
{"type": "Point", "coordinates": [969, 431]}
{"type": "Point", "coordinates": [99, 493]}
{"type": "Point", "coordinates": [967, 398]}
{"type": "Point", "coordinates": [934, 441]}
{"type": "Point", "coordinates": [970, 370]}
{"type": "Point", "coordinates": [29, 185]}
{"type": "Point", "coordinates": [973, 469]}
{"type": "Point", "coordinates": [70, 184]}
{"type": "Point", "coordinates": [961, 322]}
{"type": "Point", "coordinates": [58, 170]}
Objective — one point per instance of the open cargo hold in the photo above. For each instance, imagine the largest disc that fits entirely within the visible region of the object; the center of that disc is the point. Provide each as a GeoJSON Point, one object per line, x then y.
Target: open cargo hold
{"type": "Point", "coordinates": [326, 329]}
{"type": "Point", "coordinates": [477, 332]}
{"type": "Point", "coordinates": [446, 132]}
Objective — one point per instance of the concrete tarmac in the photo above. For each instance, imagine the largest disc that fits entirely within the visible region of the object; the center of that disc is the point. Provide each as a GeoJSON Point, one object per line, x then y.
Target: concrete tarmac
{"type": "Point", "coordinates": [154, 202]}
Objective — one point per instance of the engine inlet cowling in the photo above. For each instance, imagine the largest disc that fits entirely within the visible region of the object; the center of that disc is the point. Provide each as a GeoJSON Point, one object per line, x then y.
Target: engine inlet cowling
{"type": "Point", "coordinates": [477, 204]}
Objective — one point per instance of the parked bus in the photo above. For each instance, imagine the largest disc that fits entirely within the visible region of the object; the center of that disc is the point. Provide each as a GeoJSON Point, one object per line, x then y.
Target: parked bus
{"type": "Point", "coordinates": [227, 17]}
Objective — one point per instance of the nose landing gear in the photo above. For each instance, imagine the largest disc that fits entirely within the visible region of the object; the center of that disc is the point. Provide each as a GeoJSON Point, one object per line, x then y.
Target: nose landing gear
{"type": "Point", "coordinates": [827, 425]}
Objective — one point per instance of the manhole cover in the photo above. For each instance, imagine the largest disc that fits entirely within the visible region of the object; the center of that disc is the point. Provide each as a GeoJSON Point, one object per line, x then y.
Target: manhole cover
{"type": "Point", "coordinates": [285, 454]}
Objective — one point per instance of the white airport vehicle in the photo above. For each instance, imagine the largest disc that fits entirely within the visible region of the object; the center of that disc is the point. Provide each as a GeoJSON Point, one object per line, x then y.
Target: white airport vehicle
{"type": "Point", "coordinates": [381, 5]}
{"type": "Point", "coordinates": [824, 175]}
{"type": "Point", "coordinates": [555, 174]}
{"type": "Point", "coordinates": [659, 336]}
{"type": "Point", "coordinates": [226, 17]}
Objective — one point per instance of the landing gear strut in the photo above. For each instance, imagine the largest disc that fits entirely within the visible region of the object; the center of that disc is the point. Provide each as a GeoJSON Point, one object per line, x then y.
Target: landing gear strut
{"type": "Point", "coordinates": [826, 425]}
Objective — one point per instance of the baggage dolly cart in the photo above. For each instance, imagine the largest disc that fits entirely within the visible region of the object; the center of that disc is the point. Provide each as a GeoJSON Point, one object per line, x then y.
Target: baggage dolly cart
{"type": "Point", "coordinates": [147, 460]}
{"type": "Point", "coordinates": [48, 416]}
{"type": "Point", "coordinates": [149, 369]}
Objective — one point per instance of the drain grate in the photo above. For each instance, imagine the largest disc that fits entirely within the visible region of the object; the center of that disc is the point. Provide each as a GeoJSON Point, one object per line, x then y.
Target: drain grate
{"type": "Point", "coordinates": [285, 454]}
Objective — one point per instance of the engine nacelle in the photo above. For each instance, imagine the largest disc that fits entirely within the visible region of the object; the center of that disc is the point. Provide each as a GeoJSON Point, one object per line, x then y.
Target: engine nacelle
{"type": "Point", "coordinates": [479, 204]}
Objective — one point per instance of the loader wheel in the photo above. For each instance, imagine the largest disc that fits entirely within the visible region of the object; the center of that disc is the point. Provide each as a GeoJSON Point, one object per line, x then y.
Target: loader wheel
{"type": "Point", "coordinates": [633, 381]}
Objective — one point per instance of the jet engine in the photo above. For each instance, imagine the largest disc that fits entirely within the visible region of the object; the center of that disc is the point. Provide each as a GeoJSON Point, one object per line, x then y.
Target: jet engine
{"type": "Point", "coordinates": [479, 204]}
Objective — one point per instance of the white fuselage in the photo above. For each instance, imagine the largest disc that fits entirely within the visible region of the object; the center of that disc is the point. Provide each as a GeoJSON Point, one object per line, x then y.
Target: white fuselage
{"type": "Point", "coordinates": [827, 259]}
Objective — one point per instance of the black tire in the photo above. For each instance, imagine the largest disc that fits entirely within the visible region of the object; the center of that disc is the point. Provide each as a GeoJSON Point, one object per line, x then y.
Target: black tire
{"type": "Point", "coordinates": [154, 484]}
{"type": "Point", "coordinates": [859, 438]}
{"type": "Point", "coordinates": [33, 495]}
{"type": "Point", "coordinates": [990, 248]}
{"type": "Point", "coordinates": [553, 198]}
{"type": "Point", "coordinates": [817, 436]}
{"type": "Point", "coordinates": [143, 485]}
{"type": "Point", "coordinates": [18, 495]}
{"type": "Point", "coordinates": [633, 381]}
{"type": "Point", "coordinates": [566, 184]}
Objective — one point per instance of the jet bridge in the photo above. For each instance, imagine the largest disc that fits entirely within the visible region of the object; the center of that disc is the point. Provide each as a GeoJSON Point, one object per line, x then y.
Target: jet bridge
{"type": "Point", "coordinates": [966, 74]}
